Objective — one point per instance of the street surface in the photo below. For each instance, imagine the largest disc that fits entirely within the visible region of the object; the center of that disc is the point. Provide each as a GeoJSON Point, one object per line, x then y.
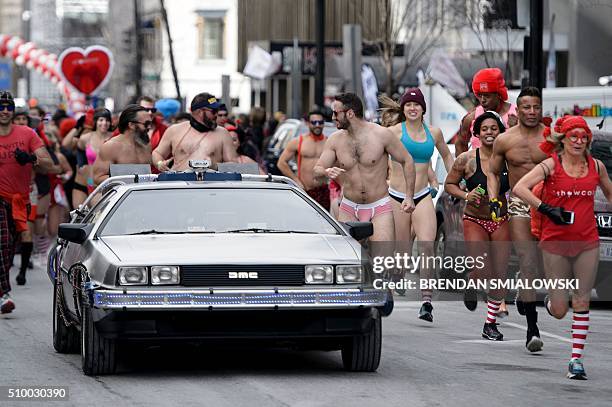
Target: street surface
{"type": "Point", "coordinates": [422, 364]}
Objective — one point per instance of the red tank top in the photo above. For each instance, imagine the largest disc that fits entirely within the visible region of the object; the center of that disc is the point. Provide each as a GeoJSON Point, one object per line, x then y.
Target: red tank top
{"type": "Point", "coordinates": [573, 194]}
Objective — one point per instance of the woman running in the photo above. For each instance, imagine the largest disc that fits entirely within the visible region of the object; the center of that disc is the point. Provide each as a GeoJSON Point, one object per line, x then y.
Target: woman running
{"type": "Point", "coordinates": [569, 239]}
{"type": "Point", "coordinates": [479, 230]}
{"type": "Point", "coordinates": [87, 144]}
{"type": "Point", "coordinates": [420, 141]}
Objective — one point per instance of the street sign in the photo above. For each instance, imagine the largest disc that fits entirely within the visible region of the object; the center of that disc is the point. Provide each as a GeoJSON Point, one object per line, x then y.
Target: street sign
{"type": "Point", "coordinates": [5, 74]}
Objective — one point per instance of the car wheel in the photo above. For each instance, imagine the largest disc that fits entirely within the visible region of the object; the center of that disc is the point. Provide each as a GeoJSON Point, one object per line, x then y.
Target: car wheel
{"type": "Point", "coordinates": [98, 354]}
{"type": "Point", "coordinates": [604, 290]}
{"type": "Point", "coordinates": [440, 252]}
{"type": "Point", "coordinates": [361, 353]}
{"type": "Point", "coordinates": [65, 338]}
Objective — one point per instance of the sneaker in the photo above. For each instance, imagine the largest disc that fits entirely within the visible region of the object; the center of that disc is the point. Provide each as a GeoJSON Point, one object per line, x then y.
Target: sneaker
{"type": "Point", "coordinates": [576, 370]}
{"type": "Point", "coordinates": [21, 279]}
{"type": "Point", "coordinates": [6, 304]}
{"type": "Point", "coordinates": [490, 332]}
{"type": "Point", "coordinates": [547, 305]}
{"type": "Point", "coordinates": [470, 299]}
{"type": "Point", "coordinates": [533, 343]}
{"type": "Point", "coordinates": [425, 312]}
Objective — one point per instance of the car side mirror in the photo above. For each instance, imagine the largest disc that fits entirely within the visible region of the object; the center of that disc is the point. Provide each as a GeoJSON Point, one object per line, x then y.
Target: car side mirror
{"type": "Point", "coordinates": [74, 232]}
{"type": "Point", "coordinates": [360, 230]}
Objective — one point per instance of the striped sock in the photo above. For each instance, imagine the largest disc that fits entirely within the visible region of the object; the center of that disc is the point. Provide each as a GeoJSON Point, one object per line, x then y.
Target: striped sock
{"type": "Point", "coordinates": [580, 327]}
{"type": "Point", "coordinates": [492, 309]}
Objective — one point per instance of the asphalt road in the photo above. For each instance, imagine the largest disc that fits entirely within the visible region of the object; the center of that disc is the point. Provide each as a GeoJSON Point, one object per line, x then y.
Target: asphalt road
{"type": "Point", "coordinates": [440, 364]}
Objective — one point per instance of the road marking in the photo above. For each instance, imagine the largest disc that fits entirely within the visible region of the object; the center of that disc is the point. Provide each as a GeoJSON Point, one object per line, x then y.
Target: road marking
{"type": "Point", "coordinates": [524, 328]}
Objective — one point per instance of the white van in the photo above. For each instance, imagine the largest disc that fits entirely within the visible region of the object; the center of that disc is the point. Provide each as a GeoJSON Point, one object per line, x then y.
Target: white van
{"type": "Point", "coordinates": [594, 103]}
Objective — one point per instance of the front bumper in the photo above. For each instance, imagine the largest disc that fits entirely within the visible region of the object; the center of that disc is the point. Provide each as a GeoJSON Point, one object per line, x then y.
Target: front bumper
{"type": "Point", "coordinates": [134, 299]}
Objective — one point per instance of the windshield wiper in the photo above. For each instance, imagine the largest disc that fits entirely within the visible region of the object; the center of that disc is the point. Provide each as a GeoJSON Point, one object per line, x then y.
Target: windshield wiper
{"type": "Point", "coordinates": [167, 232]}
{"type": "Point", "coordinates": [264, 230]}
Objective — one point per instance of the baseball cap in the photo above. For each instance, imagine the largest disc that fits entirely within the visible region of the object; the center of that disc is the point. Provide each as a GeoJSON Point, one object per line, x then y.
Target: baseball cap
{"type": "Point", "coordinates": [205, 100]}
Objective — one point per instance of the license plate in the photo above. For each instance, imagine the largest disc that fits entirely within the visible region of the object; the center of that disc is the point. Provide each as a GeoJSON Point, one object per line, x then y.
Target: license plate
{"type": "Point", "coordinates": [605, 251]}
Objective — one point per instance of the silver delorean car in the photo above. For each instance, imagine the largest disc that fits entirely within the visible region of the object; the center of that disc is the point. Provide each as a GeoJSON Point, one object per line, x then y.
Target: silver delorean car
{"type": "Point", "coordinates": [207, 255]}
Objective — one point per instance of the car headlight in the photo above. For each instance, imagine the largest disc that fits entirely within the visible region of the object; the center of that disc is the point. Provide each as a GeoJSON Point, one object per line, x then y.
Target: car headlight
{"type": "Point", "coordinates": [133, 275]}
{"type": "Point", "coordinates": [319, 274]}
{"type": "Point", "coordinates": [349, 274]}
{"type": "Point", "coordinates": [165, 275]}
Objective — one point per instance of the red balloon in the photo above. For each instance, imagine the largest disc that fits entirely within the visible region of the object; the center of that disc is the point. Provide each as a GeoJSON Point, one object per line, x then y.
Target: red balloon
{"type": "Point", "coordinates": [87, 70]}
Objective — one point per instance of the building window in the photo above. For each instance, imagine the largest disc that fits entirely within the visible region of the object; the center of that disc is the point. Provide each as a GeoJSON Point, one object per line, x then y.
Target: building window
{"type": "Point", "coordinates": [211, 34]}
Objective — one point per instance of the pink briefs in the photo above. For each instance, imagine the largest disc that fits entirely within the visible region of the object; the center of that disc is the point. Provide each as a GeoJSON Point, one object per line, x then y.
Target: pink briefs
{"type": "Point", "coordinates": [366, 212]}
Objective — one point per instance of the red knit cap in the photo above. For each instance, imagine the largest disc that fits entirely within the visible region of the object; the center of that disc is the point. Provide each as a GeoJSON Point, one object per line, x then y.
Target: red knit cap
{"type": "Point", "coordinates": [575, 122]}
{"type": "Point", "coordinates": [490, 80]}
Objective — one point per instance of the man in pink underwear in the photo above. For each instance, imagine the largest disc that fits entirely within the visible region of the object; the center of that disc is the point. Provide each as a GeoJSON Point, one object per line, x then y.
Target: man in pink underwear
{"type": "Point", "coordinates": [490, 89]}
{"type": "Point", "coordinates": [356, 156]}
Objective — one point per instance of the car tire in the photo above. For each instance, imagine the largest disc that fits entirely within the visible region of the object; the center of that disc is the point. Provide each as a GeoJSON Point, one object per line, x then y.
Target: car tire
{"type": "Point", "coordinates": [98, 354]}
{"type": "Point", "coordinates": [604, 290]}
{"type": "Point", "coordinates": [440, 251]}
{"type": "Point", "coordinates": [361, 353]}
{"type": "Point", "coordinates": [65, 338]}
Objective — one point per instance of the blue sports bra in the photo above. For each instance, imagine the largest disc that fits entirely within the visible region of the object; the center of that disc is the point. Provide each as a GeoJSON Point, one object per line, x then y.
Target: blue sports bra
{"type": "Point", "coordinates": [421, 152]}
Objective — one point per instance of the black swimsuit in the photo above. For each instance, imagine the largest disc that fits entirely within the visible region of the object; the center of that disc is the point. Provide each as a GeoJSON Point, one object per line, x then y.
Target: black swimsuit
{"type": "Point", "coordinates": [479, 177]}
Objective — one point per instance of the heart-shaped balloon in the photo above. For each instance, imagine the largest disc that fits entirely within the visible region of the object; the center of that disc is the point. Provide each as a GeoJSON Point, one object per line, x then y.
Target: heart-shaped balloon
{"type": "Point", "coordinates": [87, 70]}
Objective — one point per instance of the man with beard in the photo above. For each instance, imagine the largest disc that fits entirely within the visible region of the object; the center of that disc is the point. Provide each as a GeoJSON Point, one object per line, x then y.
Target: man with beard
{"type": "Point", "coordinates": [131, 146]}
{"type": "Point", "coordinates": [357, 157]}
{"type": "Point", "coordinates": [198, 139]}
{"type": "Point", "coordinates": [519, 149]}
{"type": "Point", "coordinates": [490, 89]}
{"type": "Point", "coordinates": [308, 149]}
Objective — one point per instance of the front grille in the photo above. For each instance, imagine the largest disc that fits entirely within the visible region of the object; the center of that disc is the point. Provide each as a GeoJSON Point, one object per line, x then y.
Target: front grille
{"type": "Point", "coordinates": [218, 275]}
{"type": "Point", "coordinates": [604, 232]}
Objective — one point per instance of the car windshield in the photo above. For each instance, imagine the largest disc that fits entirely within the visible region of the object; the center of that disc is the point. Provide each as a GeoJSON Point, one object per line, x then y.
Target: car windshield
{"type": "Point", "coordinates": [215, 210]}
{"type": "Point", "coordinates": [602, 150]}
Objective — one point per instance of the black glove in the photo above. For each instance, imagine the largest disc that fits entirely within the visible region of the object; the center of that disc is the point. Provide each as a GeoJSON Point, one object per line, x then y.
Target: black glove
{"type": "Point", "coordinates": [80, 126]}
{"type": "Point", "coordinates": [553, 213]}
{"type": "Point", "coordinates": [495, 208]}
{"type": "Point", "coordinates": [24, 158]}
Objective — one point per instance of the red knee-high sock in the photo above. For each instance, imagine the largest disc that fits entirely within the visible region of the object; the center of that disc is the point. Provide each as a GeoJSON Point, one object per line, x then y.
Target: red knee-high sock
{"type": "Point", "coordinates": [580, 328]}
{"type": "Point", "coordinates": [492, 309]}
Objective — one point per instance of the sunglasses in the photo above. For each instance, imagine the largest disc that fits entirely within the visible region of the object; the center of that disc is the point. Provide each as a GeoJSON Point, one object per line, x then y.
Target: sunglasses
{"type": "Point", "coordinates": [147, 123]}
{"type": "Point", "coordinates": [576, 135]}
{"type": "Point", "coordinates": [10, 108]}
{"type": "Point", "coordinates": [317, 122]}
{"type": "Point", "coordinates": [151, 109]}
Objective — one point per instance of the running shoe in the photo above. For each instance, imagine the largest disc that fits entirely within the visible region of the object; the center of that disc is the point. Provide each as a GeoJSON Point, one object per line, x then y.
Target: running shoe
{"type": "Point", "coordinates": [425, 312]}
{"type": "Point", "coordinates": [490, 332]}
{"type": "Point", "coordinates": [6, 304]}
{"type": "Point", "coordinates": [576, 370]}
{"type": "Point", "coordinates": [533, 343]}
{"type": "Point", "coordinates": [470, 299]}
{"type": "Point", "coordinates": [547, 305]}
{"type": "Point", "coordinates": [21, 278]}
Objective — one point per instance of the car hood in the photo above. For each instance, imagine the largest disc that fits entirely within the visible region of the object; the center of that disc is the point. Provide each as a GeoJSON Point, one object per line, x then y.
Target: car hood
{"type": "Point", "coordinates": [235, 248]}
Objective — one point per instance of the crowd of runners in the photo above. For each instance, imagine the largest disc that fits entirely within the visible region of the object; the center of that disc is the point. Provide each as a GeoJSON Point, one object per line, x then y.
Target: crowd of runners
{"type": "Point", "coordinates": [511, 168]}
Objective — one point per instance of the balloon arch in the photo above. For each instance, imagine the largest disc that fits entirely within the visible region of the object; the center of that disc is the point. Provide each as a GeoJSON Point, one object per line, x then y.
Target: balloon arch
{"type": "Point", "coordinates": [43, 62]}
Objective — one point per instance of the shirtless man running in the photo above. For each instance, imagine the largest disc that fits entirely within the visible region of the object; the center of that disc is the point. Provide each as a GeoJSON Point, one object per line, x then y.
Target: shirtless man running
{"type": "Point", "coordinates": [198, 139]}
{"type": "Point", "coordinates": [129, 147]}
{"type": "Point", "coordinates": [519, 148]}
{"type": "Point", "coordinates": [357, 156]}
{"type": "Point", "coordinates": [308, 149]}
